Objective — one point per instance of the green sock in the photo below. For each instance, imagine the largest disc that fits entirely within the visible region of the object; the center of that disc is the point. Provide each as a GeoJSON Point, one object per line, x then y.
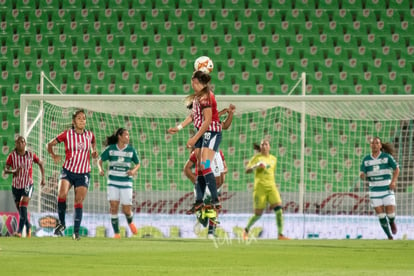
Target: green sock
{"type": "Point", "coordinates": [115, 224]}
{"type": "Point", "coordinates": [252, 221]}
{"type": "Point", "coordinates": [129, 218]}
{"type": "Point", "coordinates": [279, 221]}
{"type": "Point", "coordinates": [384, 225]}
{"type": "Point", "coordinates": [391, 220]}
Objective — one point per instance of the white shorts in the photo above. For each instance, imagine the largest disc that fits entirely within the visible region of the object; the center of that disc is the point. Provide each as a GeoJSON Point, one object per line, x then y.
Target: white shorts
{"type": "Point", "coordinates": [384, 201]}
{"type": "Point", "coordinates": [217, 164]}
{"type": "Point", "coordinates": [124, 196]}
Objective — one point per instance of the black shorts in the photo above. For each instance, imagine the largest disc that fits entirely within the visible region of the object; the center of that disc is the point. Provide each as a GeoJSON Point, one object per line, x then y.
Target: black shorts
{"type": "Point", "coordinates": [75, 179]}
{"type": "Point", "coordinates": [19, 193]}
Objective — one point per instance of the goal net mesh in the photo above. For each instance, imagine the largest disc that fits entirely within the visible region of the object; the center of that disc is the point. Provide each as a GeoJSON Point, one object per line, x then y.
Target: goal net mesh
{"type": "Point", "coordinates": [319, 143]}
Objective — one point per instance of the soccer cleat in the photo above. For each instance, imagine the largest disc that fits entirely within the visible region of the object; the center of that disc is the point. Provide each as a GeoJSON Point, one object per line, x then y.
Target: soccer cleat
{"type": "Point", "coordinates": [117, 236]}
{"type": "Point", "coordinates": [211, 236]}
{"type": "Point", "coordinates": [216, 204]}
{"type": "Point", "coordinates": [393, 228]}
{"type": "Point", "coordinates": [202, 220]}
{"type": "Point", "coordinates": [245, 234]}
{"type": "Point", "coordinates": [59, 229]}
{"type": "Point", "coordinates": [282, 238]}
{"type": "Point", "coordinates": [190, 211]}
{"type": "Point", "coordinates": [133, 228]}
{"type": "Point", "coordinates": [29, 233]}
{"type": "Point", "coordinates": [17, 234]}
{"type": "Point", "coordinates": [75, 236]}
{"type": "Point", "coordinates": [196, 207]}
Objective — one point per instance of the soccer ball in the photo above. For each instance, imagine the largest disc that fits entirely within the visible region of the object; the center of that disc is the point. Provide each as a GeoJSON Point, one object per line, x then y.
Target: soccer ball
{"type": "Point", "coordinates": [204, 64]}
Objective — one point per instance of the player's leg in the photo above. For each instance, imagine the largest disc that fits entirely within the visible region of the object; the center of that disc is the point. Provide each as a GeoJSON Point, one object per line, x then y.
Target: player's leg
{"type": "Point", "coordinates": [81, 185]}
{"type": "Point", "coordinates": [259, 204]}
{"type": "Point", "coordinates": [63, 190]}
{"type": "Point", "coordinates": [26, 193]}
{"type": "Point", "coordinates": [389, 203]}
{"type": "Point", "coordinates": [113, 198]}
{"type": "Point", "coordinates": [126, 201]}
{"type": "Point", "coordinates": [211, 142]}
{"type": "Point", "coordinates": [275, 202]}
{"type": "Point", "coordinates": [17, 195]}
{"type": "Point", "coordinates": [380, 211]}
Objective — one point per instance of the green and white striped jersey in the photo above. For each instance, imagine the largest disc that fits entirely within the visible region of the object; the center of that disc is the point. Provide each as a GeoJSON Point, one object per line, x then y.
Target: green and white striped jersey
{"type": "Point", "coordinates": [119, 163]}
{"type": "Point", "coordinates": [378, 172]}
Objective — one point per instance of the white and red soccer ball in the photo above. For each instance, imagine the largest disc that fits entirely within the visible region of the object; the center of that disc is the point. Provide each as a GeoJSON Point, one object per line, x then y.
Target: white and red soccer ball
{"type": "Point", "coordinates": [204, 64]}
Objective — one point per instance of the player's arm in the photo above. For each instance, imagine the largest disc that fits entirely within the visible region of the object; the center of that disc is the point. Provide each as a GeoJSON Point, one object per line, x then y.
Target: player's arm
{"type": "Point", "coordinates": [255, 166]}
{"type": "Point", "coordinates": [189, 172]}
{"type": "Point", "coordinates": [395, 174]}
{"type": "Point", "coordinates": [42, 171]}
{"type": "Point", "coordinates": [100, 167]}
{"type": "Point", "coordinates": [94, 152]}
{"type": "Point", "coordinates": [8, 170]}
{"type": "Point", "coordinates": [183, 124]}
{"type": "Point", "coordinates": [56, 158]}
{"type": "Point", "coordinates": [230, 111]}
{"type": "Point", "coordinates": [134, 170]}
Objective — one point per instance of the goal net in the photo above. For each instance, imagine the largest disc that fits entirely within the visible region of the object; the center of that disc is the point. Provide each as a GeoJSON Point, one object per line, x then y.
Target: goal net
{"type": "Point", "coordinates": [319, 142]}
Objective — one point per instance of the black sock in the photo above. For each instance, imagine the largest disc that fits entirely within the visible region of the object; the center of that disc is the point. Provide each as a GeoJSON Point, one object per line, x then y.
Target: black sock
{"type": "Point", "coordinates": [211, 184]}
{"type": "Point", "coordinates": [23, 218]}
{"type": "Point", "coordinates": [78, 219]}
{"type": "Point", "coordinates": [200, 188]}
{"type": "Point", "coordinates": [62, 212]}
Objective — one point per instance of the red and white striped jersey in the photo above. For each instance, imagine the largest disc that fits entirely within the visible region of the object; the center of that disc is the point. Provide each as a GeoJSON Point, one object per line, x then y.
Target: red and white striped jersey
{"type": "Point", "coordinates": [77, 150]}
{"type": "Point", "coordinates": [25, 162]}
{"type": "Point", "coordinates": [197, 111]}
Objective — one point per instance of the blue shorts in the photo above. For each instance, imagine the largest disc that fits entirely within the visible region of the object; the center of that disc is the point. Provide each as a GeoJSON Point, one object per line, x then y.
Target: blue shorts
{"type": "Point", "coordinates": [75, 179]}
{"type": "Point", "coordinates": [210, 139]}
{"type": "Point", "coordinates": [19, 193]}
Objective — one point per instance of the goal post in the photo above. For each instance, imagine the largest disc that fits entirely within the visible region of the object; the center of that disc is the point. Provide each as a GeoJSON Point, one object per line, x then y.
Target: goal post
{"type": "Point", "coordinates": [319, 142]}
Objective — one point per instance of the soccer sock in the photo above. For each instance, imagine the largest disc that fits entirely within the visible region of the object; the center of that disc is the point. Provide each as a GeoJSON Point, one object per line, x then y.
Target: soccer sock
{"type": "Point", "coordinates": [384, 224]}
{"type": "Point", "coordinates": [62, 210]}
{"type": "Point", "coordinates": [200, 188]}
{"type": "Point", "coordinates": [211, 184]}
{"type": "Point", "coordinates": [115, 223]}
{"type": "Point", "coordinates": [279, 219]}
{"type": "Point", "coordinates": [252, 221]}
{"type": "Point", "coordinates": [211, 227]}
{"type": "Point", "coordinates": [28, 225]}
{"type": "Point", "coordinates": [391, 218]}
{"type": "Point", "coordinates": [23, 215]}
{"type": "Point", "coordinates": [129, 218]}
{"type": "Point", "coordinates": [78, 217]}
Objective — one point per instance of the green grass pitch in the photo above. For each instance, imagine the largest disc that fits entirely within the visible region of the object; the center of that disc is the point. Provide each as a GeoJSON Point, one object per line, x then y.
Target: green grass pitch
{"type": "Point", "coordinates": [103, 256]}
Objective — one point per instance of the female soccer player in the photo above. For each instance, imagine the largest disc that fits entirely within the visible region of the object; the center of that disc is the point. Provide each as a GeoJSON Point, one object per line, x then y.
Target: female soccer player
{"type": "Point", "coordinates": [79, 143]}
{"type": "Point", "coordinates": [264, 166]}
{"type": "Point", "coordinates": [381, 171]}
{"type": "Point", "coordinates": [20, 164]}
{"type": "Point", "coordinates": [120, 155]}
{"type": "Point", "coordinates": [207, 138]}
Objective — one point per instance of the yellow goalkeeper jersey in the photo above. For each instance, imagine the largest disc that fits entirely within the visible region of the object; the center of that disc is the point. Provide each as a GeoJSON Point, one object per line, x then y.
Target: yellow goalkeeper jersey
{"type": "Point", "coordinates": [264, 177]}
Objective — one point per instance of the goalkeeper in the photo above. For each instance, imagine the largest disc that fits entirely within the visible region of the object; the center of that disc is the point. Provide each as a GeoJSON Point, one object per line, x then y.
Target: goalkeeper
{"type": "Point", "coordinates": [263, 164]}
